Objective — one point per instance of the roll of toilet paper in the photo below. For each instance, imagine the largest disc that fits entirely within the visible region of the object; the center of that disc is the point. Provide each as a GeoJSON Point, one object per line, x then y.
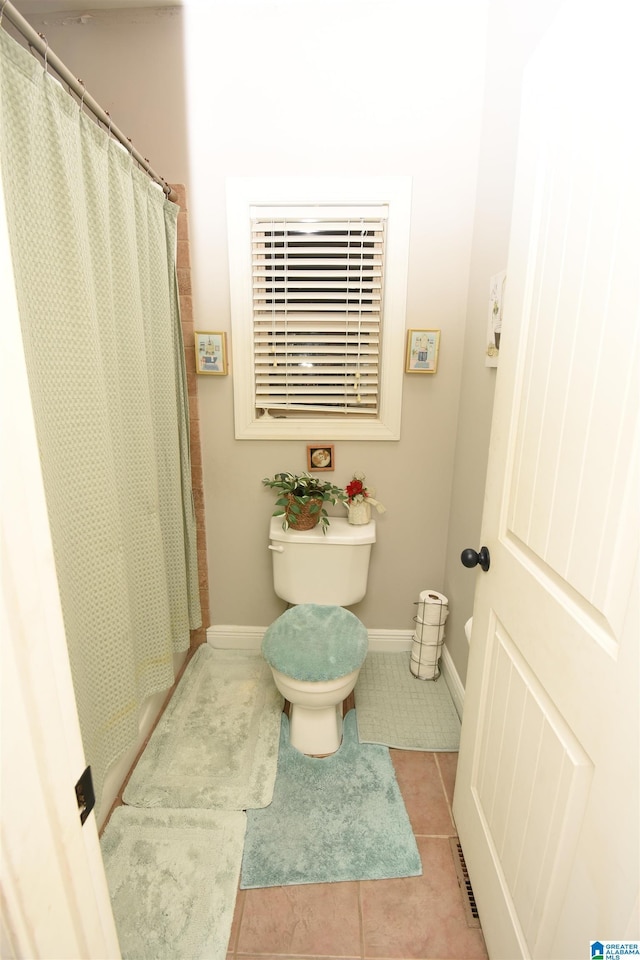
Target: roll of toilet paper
{"type": "Point", "coordinates": [424, 662]}
{"type": "Point", "coordinates": [433, 607]}
{"type": "Point", "coordinates": [429, 632]}
{"type": "Point", "coordinates": [432, 596]}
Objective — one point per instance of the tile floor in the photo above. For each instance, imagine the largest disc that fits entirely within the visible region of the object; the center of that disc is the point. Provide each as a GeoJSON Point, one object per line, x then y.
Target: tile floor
{"type": "Point", "coordinates": [417, 918]}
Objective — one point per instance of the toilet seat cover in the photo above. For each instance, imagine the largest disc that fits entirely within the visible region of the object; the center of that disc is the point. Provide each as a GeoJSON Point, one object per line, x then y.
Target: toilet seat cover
{"type": "Point", "coordinates": [316, 642]}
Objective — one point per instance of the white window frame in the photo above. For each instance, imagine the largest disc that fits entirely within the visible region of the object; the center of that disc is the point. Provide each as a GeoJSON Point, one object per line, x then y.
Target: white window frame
{"type": "Point", "coordinates": [245, 193]}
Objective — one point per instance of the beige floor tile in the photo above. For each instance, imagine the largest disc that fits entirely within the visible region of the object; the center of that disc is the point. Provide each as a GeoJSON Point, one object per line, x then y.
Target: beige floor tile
{"type": "Point", "coordinates": [320, 919]}
{"type": "Point", "coordinates": [420, 918]}
{"type": "Point", "coordinates": [423, 793]}
{"type": "Point", "coordinates": [237, 918]}
{"type": "Point", "coordinates": [448, 763]}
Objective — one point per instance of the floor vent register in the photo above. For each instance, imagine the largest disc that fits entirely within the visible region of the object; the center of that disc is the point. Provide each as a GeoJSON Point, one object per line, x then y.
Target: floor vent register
{"type": "Point", "coordinates": [468, 899]}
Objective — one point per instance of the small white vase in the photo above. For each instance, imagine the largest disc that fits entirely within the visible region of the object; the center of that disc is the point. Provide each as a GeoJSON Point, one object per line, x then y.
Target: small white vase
{"type": "Point", "coordinates": [359, 512]}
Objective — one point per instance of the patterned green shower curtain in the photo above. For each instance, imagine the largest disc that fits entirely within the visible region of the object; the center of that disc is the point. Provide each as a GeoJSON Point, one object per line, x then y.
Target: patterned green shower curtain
{"type": "Point", "coordinates": [93, 244]}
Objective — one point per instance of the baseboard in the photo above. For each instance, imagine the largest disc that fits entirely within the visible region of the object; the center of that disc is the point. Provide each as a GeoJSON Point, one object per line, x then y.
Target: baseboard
{"type": "Point", "coordinates": [453, 680]}
{"type": "Point", "coordinates": [232, 637]}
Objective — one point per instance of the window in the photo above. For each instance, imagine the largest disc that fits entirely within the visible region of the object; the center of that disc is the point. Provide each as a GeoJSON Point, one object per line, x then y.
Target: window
{"type": "Point", "coordinates": [317, 310]}
{"type": "Point", "coordinates": [318, 293]}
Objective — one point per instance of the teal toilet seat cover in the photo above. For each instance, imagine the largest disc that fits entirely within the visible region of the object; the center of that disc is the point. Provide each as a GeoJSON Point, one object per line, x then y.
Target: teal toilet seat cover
{"type": "Point", "coordinates": [315, 642]}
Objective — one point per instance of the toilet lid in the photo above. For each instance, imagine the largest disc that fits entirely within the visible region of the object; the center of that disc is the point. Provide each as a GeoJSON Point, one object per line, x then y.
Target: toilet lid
{"type": "Point", "coordinates": [316, 642]}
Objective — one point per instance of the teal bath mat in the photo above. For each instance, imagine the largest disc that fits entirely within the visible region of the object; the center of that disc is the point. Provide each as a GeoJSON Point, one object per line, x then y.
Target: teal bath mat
{"type": "Point", "coordinates": [398, 710]}
{"type": "Point", "coordinates": [216, 744]}
{"type": "Point", "coordinates": [173, 878]}
{"type": "Point", "coordinates": [331, 819]}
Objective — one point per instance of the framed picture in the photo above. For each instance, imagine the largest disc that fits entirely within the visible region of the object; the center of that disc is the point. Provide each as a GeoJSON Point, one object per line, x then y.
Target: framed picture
{"type": "Point", "coordinates": [494, 320]}
{"type": "Point", "coordinates": [422, 351]}
{"type": "Point", "coordinates": [320, 457]}
{"type": "Point", "coordinates": [211, 353]}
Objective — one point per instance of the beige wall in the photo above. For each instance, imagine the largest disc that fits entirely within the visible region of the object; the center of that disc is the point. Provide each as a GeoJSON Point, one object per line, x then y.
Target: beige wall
{"type": "Point", "coordinates": [423, 119]}
{"type": "Point", "coordinates": [132, 63]}
{"type": "Point", "coordinates": [428, 117]}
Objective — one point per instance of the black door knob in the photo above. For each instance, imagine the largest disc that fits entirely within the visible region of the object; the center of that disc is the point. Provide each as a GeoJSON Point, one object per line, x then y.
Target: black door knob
{"type": "Point", "coordinates": [470, 558]}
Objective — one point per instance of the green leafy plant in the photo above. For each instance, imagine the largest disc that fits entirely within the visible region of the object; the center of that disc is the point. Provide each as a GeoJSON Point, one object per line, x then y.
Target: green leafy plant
{"type": "Point", "coordinates": [299, 494]}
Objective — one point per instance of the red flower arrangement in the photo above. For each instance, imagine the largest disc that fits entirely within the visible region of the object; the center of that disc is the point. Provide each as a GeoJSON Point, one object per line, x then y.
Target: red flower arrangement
{"type": "Point", "coordinates": [355, 488]}
{"type": "Point", "coordinates": [357, 493]}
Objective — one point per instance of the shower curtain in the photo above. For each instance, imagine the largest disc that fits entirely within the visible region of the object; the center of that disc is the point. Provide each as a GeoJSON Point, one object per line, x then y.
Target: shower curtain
{"type": "Point", "coordinates": [93, 244]}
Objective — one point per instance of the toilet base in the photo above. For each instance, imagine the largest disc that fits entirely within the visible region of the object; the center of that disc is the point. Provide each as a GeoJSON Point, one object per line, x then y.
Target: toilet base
{"type": "Point", "coordinates": [348, 703]}
{"type": "Point", "coordinates": [315, 711]}
{"type": "Point", "coordinates": [315, 731]}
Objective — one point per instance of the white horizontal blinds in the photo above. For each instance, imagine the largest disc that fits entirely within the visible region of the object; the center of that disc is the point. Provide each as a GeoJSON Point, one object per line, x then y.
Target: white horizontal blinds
{"type": "Point", "coordinates": [317, 310]}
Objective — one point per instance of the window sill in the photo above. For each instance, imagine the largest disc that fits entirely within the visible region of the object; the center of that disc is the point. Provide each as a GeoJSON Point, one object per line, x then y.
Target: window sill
{"type": "Point", "coordinates": [276, 428]}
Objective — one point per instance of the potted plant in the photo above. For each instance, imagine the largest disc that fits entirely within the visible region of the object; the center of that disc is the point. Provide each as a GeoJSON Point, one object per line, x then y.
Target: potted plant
{"type": "Point", "coordinates": [301, 499]}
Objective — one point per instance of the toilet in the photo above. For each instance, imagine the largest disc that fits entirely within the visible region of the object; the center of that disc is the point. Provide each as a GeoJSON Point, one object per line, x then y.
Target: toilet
{"type": "Point", "coordinates": [316, 648]}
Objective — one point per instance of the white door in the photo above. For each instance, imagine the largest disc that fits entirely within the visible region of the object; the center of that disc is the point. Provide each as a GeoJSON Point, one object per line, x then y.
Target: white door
{"type": "Point", "coordinates": [55, 901]}
{"type": "Point", "coordinates": [546, 800]}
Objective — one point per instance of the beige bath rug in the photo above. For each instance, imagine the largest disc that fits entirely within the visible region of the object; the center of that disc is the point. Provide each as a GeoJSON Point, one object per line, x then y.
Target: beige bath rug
{"type": "Point", "coordinates": [216, 744]}
{"type": "Point", "coordinates": [395, 708]}
{"type": "Point", "coordinates": [173, 877]}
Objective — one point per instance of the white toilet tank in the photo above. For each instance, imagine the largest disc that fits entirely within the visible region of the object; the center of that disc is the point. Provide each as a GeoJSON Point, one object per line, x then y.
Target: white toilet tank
{"type": "Point", "coordinates": [310, 566]}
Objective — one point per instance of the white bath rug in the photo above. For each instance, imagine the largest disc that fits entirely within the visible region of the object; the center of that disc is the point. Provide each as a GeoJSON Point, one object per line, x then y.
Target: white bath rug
{"type": "Point", "coordinates": [397, 709]}
{"type": "Point", "coordinates": [216, 745]}
{"type": "Point", "coordinates": [173, 877]}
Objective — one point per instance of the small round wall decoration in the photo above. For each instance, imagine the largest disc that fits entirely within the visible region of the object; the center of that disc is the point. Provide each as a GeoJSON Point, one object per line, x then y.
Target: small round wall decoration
{"type": "Point", "coordinates": [320, 456]}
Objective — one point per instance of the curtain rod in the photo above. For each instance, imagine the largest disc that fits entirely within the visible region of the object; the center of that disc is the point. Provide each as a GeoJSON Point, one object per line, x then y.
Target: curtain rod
{"type": "Point", "coordinates": [41, 44]}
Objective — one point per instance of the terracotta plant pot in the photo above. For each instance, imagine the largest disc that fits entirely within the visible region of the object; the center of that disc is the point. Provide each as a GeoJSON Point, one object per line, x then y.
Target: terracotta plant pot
{"type": "Point", "coordinates": [304, 519]}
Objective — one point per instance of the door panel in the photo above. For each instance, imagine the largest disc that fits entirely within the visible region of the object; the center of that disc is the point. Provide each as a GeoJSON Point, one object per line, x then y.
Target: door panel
{"type": "Point", "coordinates": [572, 459]}
{"type": "Point", "coordinates": [546, 798]}
{"type": "Point", "coordinates": [531, 784]}
{"type": "Point", "coordinates": [55, 899]}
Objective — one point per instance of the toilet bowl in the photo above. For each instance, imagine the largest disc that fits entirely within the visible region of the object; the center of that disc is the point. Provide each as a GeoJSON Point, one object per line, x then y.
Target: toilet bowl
{"type": "Point", "coordinates": [316, 648]}
{"type": "Point", "coordinates": [315, 652]}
